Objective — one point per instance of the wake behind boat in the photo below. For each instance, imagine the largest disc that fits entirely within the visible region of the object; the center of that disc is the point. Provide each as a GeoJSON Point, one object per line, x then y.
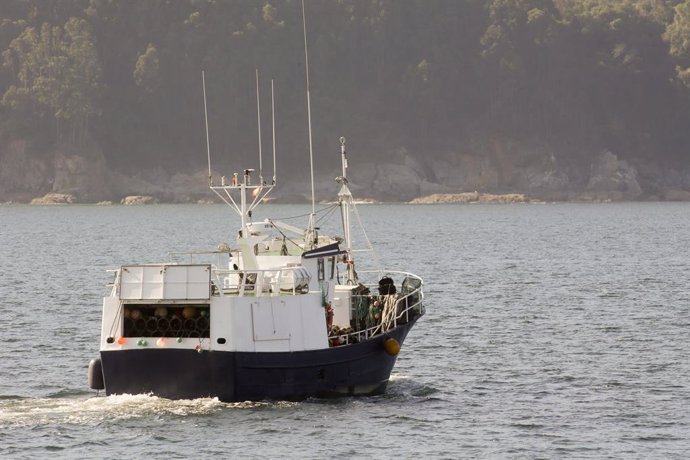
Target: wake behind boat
{"type": "Point", "coordinates": [283, 315]}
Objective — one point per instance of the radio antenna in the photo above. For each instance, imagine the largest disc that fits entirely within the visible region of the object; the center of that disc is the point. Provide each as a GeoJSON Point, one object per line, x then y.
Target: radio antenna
{"type": "Point", "coordinates": [208, 145]}
{"type": "Point", "coordinates": [273, 122]}
{"type": "Point", "coordinates": [258, 120]}
{"type": "Point", "coordinates": [311, 154]}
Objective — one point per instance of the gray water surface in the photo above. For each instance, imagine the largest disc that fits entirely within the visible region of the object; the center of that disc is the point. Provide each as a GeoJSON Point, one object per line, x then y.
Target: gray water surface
{"type": "Point", "coordinates": [552, 331]}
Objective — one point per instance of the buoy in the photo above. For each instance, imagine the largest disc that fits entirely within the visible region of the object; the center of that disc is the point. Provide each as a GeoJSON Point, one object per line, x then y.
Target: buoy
{"type": "Point", "coordinates": [189, 312]}
{"type": "Point", "coordinates": [391, 346]}
{"type": "Point", "coordinates": [121, 340]}
{"type": "Point", "coordinates": [160, 342]}
{"type": "Point", "coordinates": [96, 375]}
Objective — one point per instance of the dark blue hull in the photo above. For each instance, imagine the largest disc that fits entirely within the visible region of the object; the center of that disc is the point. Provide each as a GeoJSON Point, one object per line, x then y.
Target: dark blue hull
{"type": "Point", "coordinates": [358, 369]}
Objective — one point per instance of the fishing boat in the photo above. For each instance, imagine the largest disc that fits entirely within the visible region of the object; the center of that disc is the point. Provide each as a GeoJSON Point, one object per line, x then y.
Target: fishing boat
{"type": "Point", "coordinates": [287, 313]}
{"type": "Point", "coordinates": [283, 316]}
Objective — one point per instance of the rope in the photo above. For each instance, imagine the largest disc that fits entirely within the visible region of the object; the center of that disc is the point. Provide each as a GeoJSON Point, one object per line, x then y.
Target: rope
{"type": "Point", "coordinates": [331, 210]}
{"type": "Point", "coordinates": [285, 237]}
{"type": "Point", "coordinates": [390, 311]}
{"type": "Point", "coordinates": [333, 206]}
{"type": "Point", "coordinates": [117, 314]}
{"type": "Point", "coordinates": [377, 261]}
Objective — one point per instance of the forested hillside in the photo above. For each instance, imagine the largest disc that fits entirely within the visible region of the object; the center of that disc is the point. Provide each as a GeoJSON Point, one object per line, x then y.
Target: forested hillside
{"type": "Point", "coordinates": [560, 99]}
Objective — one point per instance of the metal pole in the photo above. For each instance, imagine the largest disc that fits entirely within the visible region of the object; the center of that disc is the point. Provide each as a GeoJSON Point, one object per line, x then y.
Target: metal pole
{"type": "Point", "coordinates": [208, 145]}
{"type": "Point", "coordinates": [311, 155]}
{"type": "Point", "coordinates": [273, 121]}
{"type": "Point", "coordinates": [258, 122]}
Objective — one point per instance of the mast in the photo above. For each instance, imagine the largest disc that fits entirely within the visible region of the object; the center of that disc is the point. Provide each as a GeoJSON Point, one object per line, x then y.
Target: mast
{"type": "Point", "coordinates": [345, 200]}
{"type": "Point", "coordinates": [310, 228]}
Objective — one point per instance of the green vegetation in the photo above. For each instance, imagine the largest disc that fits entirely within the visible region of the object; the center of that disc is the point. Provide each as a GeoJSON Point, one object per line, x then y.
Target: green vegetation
{"type": "Point", "coordinates": [572, 77]}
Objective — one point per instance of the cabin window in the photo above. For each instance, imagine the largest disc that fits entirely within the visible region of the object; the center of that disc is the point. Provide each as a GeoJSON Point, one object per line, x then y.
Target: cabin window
{"type": "Point", "coordinates": [166, 320]}
{"type": "Point", "coordinates": [331, 260]}
{"type": "Point", "coordinates": [322, 275]}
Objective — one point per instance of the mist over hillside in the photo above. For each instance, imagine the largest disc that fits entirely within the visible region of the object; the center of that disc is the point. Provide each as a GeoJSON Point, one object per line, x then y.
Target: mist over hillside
{"type": "Point", "coordinates": [557, 99]}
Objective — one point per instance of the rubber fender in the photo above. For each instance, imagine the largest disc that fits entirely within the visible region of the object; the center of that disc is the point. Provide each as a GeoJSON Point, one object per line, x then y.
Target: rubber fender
{"type": "Point", "coordinates": [96, 375]}
{"type": "Point", "coordinates": [391, 346]}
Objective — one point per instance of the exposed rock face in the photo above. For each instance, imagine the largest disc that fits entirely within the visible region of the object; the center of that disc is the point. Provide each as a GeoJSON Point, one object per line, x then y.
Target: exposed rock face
{"type": "Point", "coordinates": [76, 171]}
{"type": "Point", "coordinates": [676, 195]}
{"type": "Point", "coordinates": [175, 188]}
{"type": "Point", "coordinates": [23, 173]}
{"type": "Point", "coordinates": [54, 198]}
{"type": "Point", "coordinates": [465, 171]}
{"type": "Point", "coordinates": [81, 174]}
{"type": "Point", "coordinates": [544, 179]}
{"type": "Point", "coordinates": [505, 167]}
{"type": "Point", "coordinates": [138, 200]}
{"type": "Point", "coordinates": [510, 169]}
{"type": "Point", "coordinates": [612, 179]}
{"type": "Point", "coordinates": [501, 167]}
{"type": "Point", "coordinates": [401, 178]}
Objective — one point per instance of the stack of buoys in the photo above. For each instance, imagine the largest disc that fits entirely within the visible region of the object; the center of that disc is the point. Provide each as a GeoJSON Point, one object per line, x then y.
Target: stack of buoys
{"type": "Point", "coordinates": [376, 309]}
{"type": "Point", "coordinates": [166, 321]}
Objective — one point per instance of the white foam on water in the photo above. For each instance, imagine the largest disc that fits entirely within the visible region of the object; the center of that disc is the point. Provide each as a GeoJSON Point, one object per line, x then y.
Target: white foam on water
{"type": "Point", "coordinates": [94, 410]}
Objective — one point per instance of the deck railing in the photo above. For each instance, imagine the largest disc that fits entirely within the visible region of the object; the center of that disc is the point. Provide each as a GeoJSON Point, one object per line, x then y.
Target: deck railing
{"type": "Point", "coordinates": [397, 309]}
{"type": "Point", "coordinates": [216, 258]}
{"type": "Point", "coordinates": [271, 282]}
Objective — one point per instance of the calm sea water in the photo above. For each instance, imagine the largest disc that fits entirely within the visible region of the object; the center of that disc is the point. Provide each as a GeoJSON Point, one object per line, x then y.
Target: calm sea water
{"type": "Point", "coordinates": [552, 331]}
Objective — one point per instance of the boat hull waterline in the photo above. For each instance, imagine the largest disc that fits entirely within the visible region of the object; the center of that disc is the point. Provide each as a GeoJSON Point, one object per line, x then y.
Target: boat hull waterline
{"type": "Point", "coordinates": [357, 369]}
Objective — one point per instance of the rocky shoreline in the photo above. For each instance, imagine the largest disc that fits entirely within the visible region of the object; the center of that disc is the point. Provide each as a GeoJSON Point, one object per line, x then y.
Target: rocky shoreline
{"type": "Point", "coordinates": [474, 197]}
{"type": "Point", "coordinates": [506, 174]}
{"type": "Point", "coordinates": [61, 199]}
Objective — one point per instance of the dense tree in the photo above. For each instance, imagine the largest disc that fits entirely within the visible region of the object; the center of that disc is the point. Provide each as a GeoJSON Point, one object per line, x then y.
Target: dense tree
{"type": "Point", "coordinates": [58, 74]}
{"type": "Point", "coordinates": [431, 75]}
{"type": "Point", "coordinates": [678, 35]}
